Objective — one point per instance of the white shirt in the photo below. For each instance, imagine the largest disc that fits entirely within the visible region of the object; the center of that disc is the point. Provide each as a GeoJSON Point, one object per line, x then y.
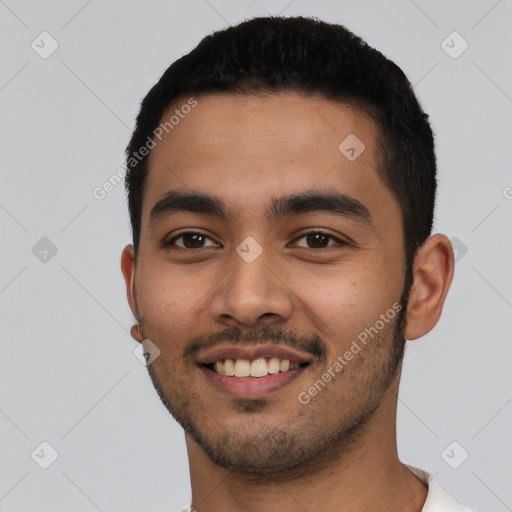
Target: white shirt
{"type": "Point", "coordinates": [437, 499]}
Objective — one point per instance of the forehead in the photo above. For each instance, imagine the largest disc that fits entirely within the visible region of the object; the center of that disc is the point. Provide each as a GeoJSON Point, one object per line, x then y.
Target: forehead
{"type": "Point", "coordinates": [247, 148]}
{"type": "Point", "coordinates": [281, 124]}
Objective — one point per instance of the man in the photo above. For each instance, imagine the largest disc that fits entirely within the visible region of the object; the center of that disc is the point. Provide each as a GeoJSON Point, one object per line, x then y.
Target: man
{"type": "Point", "coordinates": [281, 185]}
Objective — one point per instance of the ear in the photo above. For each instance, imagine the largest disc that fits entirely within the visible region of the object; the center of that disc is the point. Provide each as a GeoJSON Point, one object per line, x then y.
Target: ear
{"type": "Point", "coordinates": [433, 273]}
{"type": "Point", "coordinates": [128, 270]}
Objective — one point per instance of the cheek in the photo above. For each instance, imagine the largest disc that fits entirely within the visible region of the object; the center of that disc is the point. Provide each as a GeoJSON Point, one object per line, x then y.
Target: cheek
{"type": "Point", "coordinates": [167, 297]}
{"type": "Point", "coordinates": [335, 300]}
{"type": "Point", "coordinates": [341, 301]}
{"type": "Point", "coordinates": [167, 300]}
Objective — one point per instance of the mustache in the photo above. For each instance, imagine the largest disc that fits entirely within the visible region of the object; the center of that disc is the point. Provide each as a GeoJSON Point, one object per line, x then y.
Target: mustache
{"type": "Point", "coordinates": [311, 344]}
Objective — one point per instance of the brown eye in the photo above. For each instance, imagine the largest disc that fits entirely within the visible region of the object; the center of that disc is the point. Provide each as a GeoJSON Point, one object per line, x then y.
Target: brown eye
{"type": "Point", "coordinates": [319, 240]}
{"type": "Point", "coordinates": [191, 240]}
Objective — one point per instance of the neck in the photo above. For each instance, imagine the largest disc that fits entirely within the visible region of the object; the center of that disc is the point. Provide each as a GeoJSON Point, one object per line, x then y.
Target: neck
{"type": "Point", "coordinates": [366, 475]}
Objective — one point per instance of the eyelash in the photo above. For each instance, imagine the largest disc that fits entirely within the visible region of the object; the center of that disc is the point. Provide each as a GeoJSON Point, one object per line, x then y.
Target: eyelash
{"type": "Point", "coordinates": [171, 243]}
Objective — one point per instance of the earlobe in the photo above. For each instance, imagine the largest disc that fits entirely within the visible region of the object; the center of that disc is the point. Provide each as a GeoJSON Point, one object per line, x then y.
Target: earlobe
{"type": "Point", "coordinates": [433, 273]}
{"type": "Point", "coordinates": [136, 334]}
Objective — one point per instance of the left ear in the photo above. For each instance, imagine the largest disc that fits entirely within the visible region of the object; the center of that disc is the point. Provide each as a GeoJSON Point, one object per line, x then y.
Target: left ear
{"type": "Point", "coordinates": [433, 273]}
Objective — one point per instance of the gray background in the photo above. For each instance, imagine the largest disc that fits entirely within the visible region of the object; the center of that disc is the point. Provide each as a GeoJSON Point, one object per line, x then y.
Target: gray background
{"type": "Point", "coordinates": [68, 374]}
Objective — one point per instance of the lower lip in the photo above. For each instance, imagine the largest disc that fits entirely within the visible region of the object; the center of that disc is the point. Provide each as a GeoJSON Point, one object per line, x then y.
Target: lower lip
{"type": "Point", "coordinates": [251, 387]}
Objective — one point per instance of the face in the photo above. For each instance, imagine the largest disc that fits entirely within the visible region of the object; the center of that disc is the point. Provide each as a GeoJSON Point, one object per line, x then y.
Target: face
{"type": "Point", "coordinates": [270, 253]}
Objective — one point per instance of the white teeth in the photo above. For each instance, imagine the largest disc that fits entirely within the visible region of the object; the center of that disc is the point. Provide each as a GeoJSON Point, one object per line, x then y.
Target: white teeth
{"type": "Point", "coordinates": [242, 368]}
{"type": "Point", "coordinates": [219, 367]}
{"type": "Point", "coordinates": [258, 368]}
{"type": "Point", "coordinates": [229, 367]}
{"type": "Point", "coordinates": [273, 365]}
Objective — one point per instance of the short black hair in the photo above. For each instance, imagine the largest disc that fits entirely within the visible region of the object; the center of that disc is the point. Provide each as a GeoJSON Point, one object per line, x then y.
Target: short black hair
{"type": "Point", "coordinates": [267, 55]}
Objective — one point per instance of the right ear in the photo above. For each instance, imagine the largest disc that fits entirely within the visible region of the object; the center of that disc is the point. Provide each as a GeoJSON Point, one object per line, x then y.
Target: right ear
{"type": "Point", "coordinates": [128, 270]}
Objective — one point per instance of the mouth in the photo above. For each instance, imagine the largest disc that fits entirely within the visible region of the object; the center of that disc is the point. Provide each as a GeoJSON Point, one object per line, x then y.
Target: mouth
{"type": "Point", "coordinates": [252, 372]}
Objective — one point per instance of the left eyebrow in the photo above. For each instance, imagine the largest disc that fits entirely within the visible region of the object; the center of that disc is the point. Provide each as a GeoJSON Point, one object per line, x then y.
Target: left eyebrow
{"type": "Point", "coordinates": [327, 202]}
{"type": "Point", "coordinates": [278, 208]}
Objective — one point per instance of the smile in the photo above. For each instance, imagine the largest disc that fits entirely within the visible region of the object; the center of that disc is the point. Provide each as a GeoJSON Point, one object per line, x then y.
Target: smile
{"type": "Point", "coordinates": [258, 368]}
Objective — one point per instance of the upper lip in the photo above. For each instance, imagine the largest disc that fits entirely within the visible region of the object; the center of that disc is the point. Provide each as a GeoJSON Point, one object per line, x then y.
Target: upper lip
{"type": "Point", "coordinates": [252, 352]}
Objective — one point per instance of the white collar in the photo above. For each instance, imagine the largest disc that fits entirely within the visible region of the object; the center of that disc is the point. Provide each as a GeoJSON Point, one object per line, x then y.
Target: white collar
{"type": "Point", "coordinates": [437, 500]}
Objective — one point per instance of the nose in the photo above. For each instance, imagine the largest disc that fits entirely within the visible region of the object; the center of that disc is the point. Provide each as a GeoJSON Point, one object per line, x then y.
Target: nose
{"type": "Point", "coordinates": [252, 293]}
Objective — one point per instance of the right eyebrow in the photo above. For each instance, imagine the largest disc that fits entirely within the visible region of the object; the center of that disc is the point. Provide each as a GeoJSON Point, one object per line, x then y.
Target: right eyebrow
{"type": "Point", "coordinates": [176, 202]}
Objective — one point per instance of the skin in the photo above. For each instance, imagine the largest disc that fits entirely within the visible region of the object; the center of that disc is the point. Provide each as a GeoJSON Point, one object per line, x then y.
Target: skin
{"type": "Point", "coordinates": [338, 452]}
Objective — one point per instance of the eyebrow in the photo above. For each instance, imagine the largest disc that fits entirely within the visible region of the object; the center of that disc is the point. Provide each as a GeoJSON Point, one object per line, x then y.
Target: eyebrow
{"type": "Point", "coordinates": [278, 208]}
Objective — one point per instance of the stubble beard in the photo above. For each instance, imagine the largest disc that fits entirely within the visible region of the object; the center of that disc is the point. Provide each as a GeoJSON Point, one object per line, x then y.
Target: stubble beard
{"type": "Point", "coordinates": [302, 444]}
